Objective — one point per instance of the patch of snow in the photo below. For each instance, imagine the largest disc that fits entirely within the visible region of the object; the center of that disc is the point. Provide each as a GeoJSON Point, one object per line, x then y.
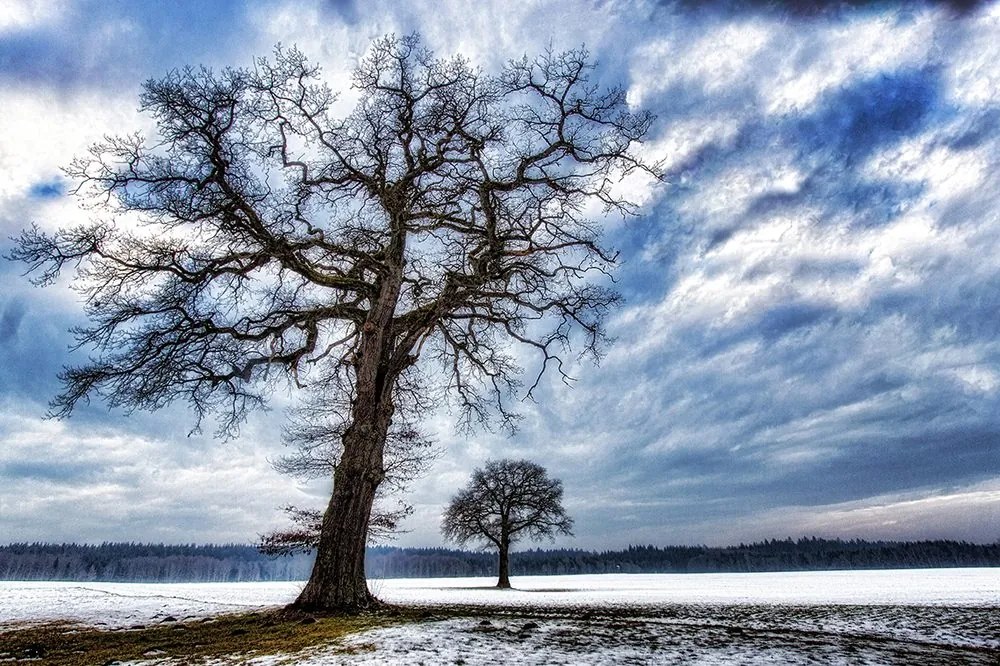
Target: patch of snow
{"type": "Point", "coordinates": [126, 604]}
{"type": "Point", "coordinates": [964, 587]}
{"type": "Point", "coordinates": [116, 605]}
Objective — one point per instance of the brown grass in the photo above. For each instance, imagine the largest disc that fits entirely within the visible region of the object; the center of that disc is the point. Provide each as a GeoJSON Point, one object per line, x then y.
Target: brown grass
{"type": "Point", "coordinates": [244, 636]}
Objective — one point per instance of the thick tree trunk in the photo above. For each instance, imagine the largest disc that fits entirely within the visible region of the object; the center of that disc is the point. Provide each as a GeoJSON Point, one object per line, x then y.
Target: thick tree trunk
{"type": "Point", "coordinates": [338, 581]}
{"type": "Point", "coordinates": [504, 581]}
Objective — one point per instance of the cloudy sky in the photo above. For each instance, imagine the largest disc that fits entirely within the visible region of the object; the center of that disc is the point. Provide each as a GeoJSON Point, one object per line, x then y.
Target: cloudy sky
{"type": "Point", "coordinates": [809, 344]}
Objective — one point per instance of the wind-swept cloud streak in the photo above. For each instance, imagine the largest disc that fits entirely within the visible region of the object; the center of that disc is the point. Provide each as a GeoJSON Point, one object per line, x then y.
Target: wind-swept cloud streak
{"type": "Point", "coordinates": [809, 344]}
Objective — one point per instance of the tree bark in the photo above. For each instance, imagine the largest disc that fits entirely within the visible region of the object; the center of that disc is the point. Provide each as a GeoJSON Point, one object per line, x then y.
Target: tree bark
{"type": "Point", "coordinates": [504, 581]}
{"type": "Point", "coordinates": [338, 581]}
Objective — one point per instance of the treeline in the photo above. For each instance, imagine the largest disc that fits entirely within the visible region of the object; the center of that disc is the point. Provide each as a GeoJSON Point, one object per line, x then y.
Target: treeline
{"type": "Point", "coordinates": [139, 562]}
{"type": "Point", "coordinates": [133, 562]}
{"type": "Point", "coordinates": [773, 555]}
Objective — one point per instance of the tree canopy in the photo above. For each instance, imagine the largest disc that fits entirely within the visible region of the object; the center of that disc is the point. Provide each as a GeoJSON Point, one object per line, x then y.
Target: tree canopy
{"type": "Point", "coordinates": [505, 501]}
{"type": "Point", "coordinates": [270, 232]}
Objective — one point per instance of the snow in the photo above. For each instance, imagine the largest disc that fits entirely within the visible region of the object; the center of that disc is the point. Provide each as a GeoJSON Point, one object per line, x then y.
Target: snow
{"type": "Point", "coordinates": [893, 616]}
{"type": "Point", "coordinates": [123, 604]}
{"type": "Point", "coordinates": [126, 604]}
{"type": "Point", "coordinates": [967, 587]}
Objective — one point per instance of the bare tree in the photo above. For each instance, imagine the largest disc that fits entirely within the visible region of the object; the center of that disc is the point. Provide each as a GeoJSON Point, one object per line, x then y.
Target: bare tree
{"type": "Point", "coordinates": [505, 501]}
{"type": "Point", "coordinates": [450, 211]}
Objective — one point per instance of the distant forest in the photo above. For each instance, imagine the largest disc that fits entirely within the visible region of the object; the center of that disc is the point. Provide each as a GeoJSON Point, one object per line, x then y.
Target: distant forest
{"type": "Point", "coordinates": [133, 562]}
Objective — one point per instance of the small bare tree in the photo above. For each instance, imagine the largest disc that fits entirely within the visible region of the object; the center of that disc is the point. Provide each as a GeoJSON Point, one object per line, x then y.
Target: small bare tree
{"type": "Point", "coordinates": [449, 213]}
{"type": "Point", "coordinates": [505, 501]}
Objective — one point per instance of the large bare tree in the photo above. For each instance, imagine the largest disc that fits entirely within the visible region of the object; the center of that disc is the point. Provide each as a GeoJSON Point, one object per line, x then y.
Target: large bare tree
{"type": "Point", "coordinates": [262, 239]}
{"type": "Point", "coordinates": [505, 501]}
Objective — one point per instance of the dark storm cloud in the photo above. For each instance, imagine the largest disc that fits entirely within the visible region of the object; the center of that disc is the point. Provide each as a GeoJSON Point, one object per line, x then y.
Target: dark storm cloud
{"type": "Point", "coordinates": [747, 442]}
{"type": "Point", "coordinates": [346, 9]}
{"type": "Point", "coordinates": [754, 422]}
{"type": "Point", "coordinates": [862, 117]}
{"type": "Point", "coordinates": [981, 128]}
{"type": "Point", "coordinates": [787, 318]}
{"type": "Point", "coordinates": [892, 462]}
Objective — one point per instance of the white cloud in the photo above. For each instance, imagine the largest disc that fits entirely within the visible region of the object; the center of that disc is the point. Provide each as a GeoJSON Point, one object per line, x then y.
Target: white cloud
{"type": "Point", "coordinates": [737, 186]}
{"type": "Point", "coordinates": [973, 76]}
{"type": "Point", "coordinates": [977, 378]}
{"type": "Point", "coordinates": [42, 130]}
{"type": "Point", "coordinates": [92, 484]}
{"type": "Point", "coordinates": [814, 62]}
{"type": "Point", "coordinates": [488, 36]}
{"type": "Point", "coordinates": [947, 173]}
{"type": "Point", "coordinates": [681, 139]}
{"type": "Point", "coordinates": [970, 512]}
{"type": "Point", "coordinates": [29, 14]}
{"type": "Point", "coordinates": [715, 62]}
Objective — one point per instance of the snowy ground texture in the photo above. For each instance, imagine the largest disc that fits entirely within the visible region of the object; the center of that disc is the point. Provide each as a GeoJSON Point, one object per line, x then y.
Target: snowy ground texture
{"type": "Point", "coordinates": [924, 616]}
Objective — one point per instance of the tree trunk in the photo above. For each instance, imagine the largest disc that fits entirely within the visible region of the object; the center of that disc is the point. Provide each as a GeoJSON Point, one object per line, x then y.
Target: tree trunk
{"type": "Point", "coordinates": [504, 582]}
{"type": "Point", "coordinates": [338, 581]}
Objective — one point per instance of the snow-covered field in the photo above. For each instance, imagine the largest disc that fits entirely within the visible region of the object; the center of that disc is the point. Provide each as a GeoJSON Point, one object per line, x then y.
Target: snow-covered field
{"type": "Point", "coordinates": [900, 616]}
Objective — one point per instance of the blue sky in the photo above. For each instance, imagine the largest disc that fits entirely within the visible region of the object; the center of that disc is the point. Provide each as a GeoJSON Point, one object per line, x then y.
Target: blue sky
{"type": "Point", "coordinates": [809, 343]}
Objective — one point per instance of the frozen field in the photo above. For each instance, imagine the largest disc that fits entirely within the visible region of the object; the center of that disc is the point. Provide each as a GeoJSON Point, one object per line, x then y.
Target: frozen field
{"type": "Point", "coordinates": [907, 616]}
